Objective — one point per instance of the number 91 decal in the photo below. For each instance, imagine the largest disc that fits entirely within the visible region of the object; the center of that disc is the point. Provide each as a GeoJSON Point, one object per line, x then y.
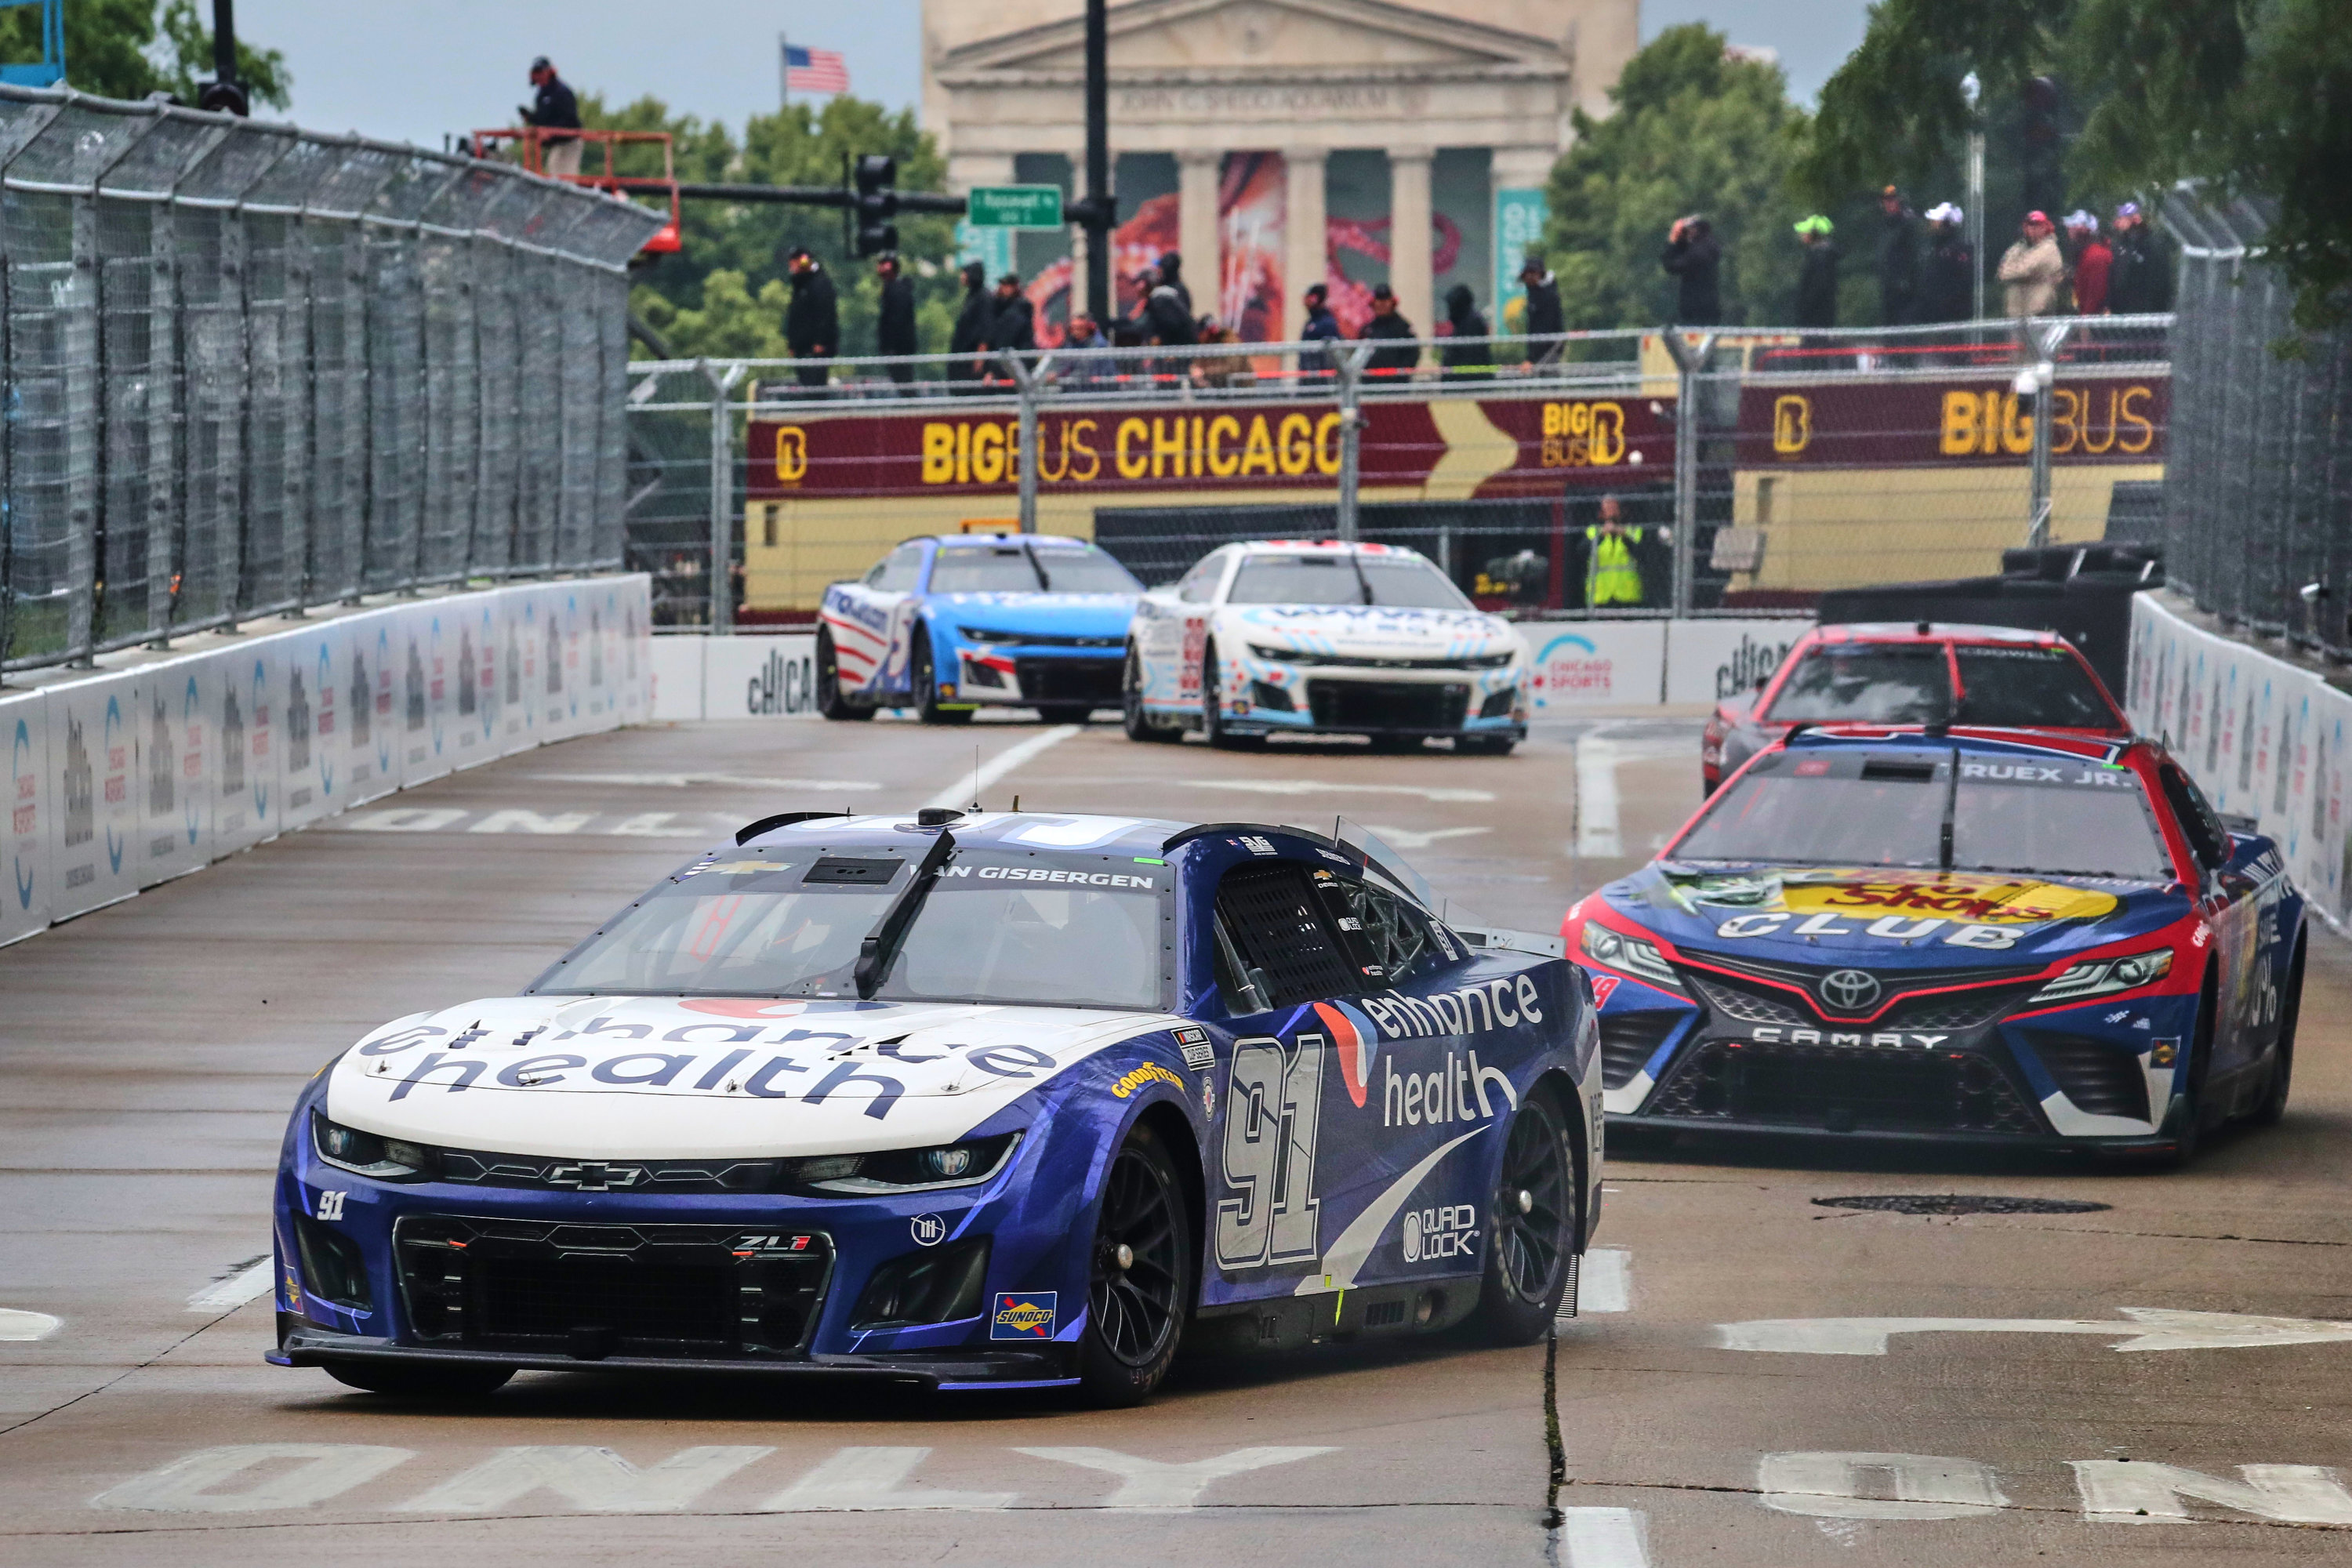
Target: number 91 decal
{"type": "Point", "coordinates": [1273, 1097]}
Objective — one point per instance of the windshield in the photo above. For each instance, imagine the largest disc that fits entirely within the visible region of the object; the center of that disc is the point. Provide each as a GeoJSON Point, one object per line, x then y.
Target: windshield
{"type": "Point", "coordinates": [1087, 571]}
{"type": "Point", "coordinates": [2030, 687]}
{"type": "Point", "coordinates": [1407, 583]}
{"type": "Point", "coordinates": [2049, 816]}
{"type": "Point", "coordinates": [1014, 569]}
{"type": "Point", "coordinates": [998, 926]}
{"type": "Point", "coordinates": [1867, 683]}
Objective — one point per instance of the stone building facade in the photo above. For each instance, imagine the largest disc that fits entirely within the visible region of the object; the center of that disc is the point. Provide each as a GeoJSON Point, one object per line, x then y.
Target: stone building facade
{"type": "Point", "coordinates": [1277, 143]}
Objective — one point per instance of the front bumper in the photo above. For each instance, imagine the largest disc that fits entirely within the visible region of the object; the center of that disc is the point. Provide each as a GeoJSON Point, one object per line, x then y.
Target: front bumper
{"type": "Point", "coordinates": [1273, 698]}
{"type": "Point", "coordinates": [1017, 676]}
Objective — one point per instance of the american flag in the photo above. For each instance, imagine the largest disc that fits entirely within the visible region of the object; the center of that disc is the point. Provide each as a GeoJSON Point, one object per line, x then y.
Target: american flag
{"type": "Point", "coordinates": [815, 70]}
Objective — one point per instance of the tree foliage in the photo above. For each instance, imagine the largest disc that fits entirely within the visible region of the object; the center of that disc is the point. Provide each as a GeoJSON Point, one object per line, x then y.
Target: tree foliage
{"type": "Point", "coordinates": [723, 293]}
{"type": "Point", "coordinates": [129, 49]}
{"type": "Point", "coordinates": [2254, 97]}
{"type": "Point", "coordinates": [1694, 132]}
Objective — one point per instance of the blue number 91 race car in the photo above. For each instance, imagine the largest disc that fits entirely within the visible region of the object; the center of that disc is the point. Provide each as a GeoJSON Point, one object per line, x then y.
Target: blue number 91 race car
{"type": "Point", "coordinates": [961, 1101]}
{"type": "Point", "coordinates": [946, 625]}
{"type": "Point", "coordinates": [1990, 936]}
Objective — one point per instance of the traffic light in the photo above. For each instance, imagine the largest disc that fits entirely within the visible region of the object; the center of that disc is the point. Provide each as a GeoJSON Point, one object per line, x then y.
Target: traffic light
{"type": "Point", "coordinates": [878, 203]}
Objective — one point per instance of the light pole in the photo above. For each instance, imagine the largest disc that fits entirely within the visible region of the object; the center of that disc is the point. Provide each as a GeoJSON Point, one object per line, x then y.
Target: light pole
{"type": "Point", "coordinates": [1969, 89]}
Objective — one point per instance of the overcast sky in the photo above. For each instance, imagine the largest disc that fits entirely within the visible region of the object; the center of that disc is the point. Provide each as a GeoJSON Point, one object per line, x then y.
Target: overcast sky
{"type": "Point", "coordinates": [413, 69]}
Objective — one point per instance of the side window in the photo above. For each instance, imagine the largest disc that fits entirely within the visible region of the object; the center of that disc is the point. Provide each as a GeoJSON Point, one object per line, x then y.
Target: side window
{"type": "Point", "coordinates": [898, 570]}
{"type": "Point", "coordinates": [1398, 936]}
{"type": "Point", "coordinates": [2208, 839]}
{"type": "Point", "coordinates": [1200, 585]}
{"type": "Point", "coordinates": [1285, 943]}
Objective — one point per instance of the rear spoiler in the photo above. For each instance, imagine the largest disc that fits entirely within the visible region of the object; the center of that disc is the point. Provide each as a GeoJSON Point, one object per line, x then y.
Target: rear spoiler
{"type": "Point", "coordinates": [1534, 942]}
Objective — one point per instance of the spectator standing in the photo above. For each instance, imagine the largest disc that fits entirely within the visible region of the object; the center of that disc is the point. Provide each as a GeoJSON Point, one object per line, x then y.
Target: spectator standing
{"type": "Point", "coordinates": [1172, 276]}
{"type": "Point", "coordinates": [1012, 324]}
{"type": "Point", "coordinates": [554, 108]}
{"type": "Point", "coordinates": [2034, 269]}
{"type": "Point", "coordinates": [1166, 315]}
{"type": "Point", "coordinates": [1898, 260]}
{"type": "Point", "coordinates": [968, 338]}
{"type": "Point", "coordinates": [1473, 361]}
{"type": "Point", "coordinates": [1092, 370]}
{"type": "Point", "coordinates": [2093, 263]}
{"type": "Point", "coordinates": [1947, 289]}
{"type": "Point", "coordinates": [1817, 278]}
{"type": "Point", "coordinates": [1696, 258]}
{"type": "Point", "coordinates": [894, 329]}
{"type": "Point", "coordinates": [1321, 327]}
{"type": "Point", "coordinates": [813, 320]}
{"type": "Point", "coordinates": [2139, 280]}
{"type": "Point", "coordinates": [1218, 370]}
{"type": "Point", "coordinates": [1611, 577]}
{"type": "Point", "coordinates": [1545, 318]}
{"type": "Point", "coordinates": [1387, 325]}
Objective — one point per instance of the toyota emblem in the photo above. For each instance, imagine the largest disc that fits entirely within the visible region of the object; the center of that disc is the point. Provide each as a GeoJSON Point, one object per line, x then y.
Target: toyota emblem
{"type": "Point", "coordinates": [1849, 990]}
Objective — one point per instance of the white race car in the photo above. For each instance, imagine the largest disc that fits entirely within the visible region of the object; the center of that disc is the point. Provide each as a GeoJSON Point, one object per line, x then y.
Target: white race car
{"type": "Point", "coordinates": [1287, 637]}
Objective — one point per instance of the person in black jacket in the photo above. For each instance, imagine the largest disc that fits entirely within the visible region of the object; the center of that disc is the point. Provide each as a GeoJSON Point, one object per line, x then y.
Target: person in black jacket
{"type": "Point", "coordinates": [1466, 360]}
{"type": "Point", "coordinates": [1817, 280]}
{"type": "Point", "coordinates": [1694, 256]}
{"type": "Point", "coordinates": [1948, 288]}
{"type": "Point", "coordinates": [1172, 276]}
{"type": "Point", "coordinates": [1387, 323]}
{"type": "Point", "coordinates": [1898, 260]}
{"type": "Point", "coordinates": [554, 108]}
{"type": "Point", "coordinates": [1545, 318]}
{"type": "Point", "coordinates": [813, 321]}
{"type": "Point", "coordinates": [1013, 324]}
{"type": "Point", "coordinates": [894, 328]}
{"type": "Point", "coordinates": [968, 338]}
{"type": "Point", "coordinates": [2140, 278]}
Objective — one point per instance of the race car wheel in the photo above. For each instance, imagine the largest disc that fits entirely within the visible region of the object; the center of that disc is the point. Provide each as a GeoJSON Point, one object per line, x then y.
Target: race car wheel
{"type": "Point", "coordinates": [1486, 745]}
{"type": "Point", "coordinates": [1139, 1286]}
{"type": "Point", "coordinates": [829, 700]}
{"type": "Point", "coordinates": [2187, 1117]}
{"type": "Point", "coordinates": [1132, 718]}
{"type": "Point", "coordinates": [1212, 709]}
{"type": "Point", "coordinates": [2274, 1105]}
{"type": "Point", "coordinates": [1531, 1228]}
{"type": "Point", "coordinates": [1066, 712]}
{"type": "Point", "coordinates": [927, 687]}
{"type": "Point", "coordinates": [421, 1381]}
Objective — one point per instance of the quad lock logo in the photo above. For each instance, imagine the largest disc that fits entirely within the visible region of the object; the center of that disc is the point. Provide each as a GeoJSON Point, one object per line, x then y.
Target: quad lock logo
{"type": "Point", "coordinates": [1431, 1235]}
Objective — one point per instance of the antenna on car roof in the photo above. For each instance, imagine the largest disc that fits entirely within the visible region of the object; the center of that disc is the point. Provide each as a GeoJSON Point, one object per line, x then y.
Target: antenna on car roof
{"type": "Point", "coordinates": [975, 777]}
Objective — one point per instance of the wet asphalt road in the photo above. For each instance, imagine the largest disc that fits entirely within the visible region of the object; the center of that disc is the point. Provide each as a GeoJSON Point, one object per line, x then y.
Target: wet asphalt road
{"type": "Point", "coordinates": [148, 1054]}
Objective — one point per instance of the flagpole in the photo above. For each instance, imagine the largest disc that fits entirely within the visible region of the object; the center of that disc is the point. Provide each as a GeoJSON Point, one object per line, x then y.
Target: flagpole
{"type": "Point", "coordinates": [784, 73]}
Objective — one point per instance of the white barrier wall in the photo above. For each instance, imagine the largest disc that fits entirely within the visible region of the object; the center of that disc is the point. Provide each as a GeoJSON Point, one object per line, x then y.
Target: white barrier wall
{"type": "Point", "coordinates": [128, 778]}
{"type": "Point", "coordinates": [2261, 738]}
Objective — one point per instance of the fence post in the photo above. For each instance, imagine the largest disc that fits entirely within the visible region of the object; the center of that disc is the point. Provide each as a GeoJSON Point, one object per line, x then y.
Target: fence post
{"type": "Point", "coordinates": [1030, 381]}
{"type": "Point", "coordinates": [1689, 360]}
{"type": "Point", "coordinates": [723, 496]}
{"type": "Point", "coordinates": [2037, 380]}
{"type": "Point", "coordinates": [1349, 364]}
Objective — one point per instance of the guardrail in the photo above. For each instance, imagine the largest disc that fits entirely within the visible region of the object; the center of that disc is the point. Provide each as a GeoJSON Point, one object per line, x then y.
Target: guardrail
{"type": "Point", "coordinates": [252, 368]}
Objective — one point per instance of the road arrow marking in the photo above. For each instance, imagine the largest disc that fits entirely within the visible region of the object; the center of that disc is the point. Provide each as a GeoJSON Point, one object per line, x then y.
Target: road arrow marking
{"type": "Point", "coordinates": [2159, 1329]}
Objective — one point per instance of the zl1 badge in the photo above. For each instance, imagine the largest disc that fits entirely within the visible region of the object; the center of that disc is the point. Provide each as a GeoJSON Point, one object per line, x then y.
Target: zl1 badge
{"type": "Point", "coordinates": [1025, 1315]}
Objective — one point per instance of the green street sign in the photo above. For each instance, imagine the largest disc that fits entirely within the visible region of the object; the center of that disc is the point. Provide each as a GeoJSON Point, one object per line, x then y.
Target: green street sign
{"type": "Point", "coordinates": [1014, 206]}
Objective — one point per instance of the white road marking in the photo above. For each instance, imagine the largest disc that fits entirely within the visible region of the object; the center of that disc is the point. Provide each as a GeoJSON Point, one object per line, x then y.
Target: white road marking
{"type": "Point", "coordinates": [595, 1480]}
{"type": "Point", "coordinates": [235, 1287]}
{"type": "Point", "coordinates": [407, 819]}
{"type": "Point", "coordinates": [516, 820]}
{"type": "Point", "coordinates": [689, 781]}
{"type": "Point", "coordinates": [17, 1327]}
{"type": "Point", "coordinates": [1410, 838]}
{"type": "Point", "coordinates": [2129, 1491]}
{"type": "Point", "coordinates": [857, 1480]}
{"type": "Point", "coordinates": [1830, 1485]}
{"type": "Point", "coordinates": [1323, 786]}
{"type": "Point", "coordinates": [319, 1471]}
{"type": "Point", "coordinates": [2158, 1329]}
{"type": "Point", "coordinates": [657, 825]}
{"type": "Point", "coordinates": [1151, 1483]}
{"type": "Point", "coordinates": [969, 788]}
{"type": "Point", "coordinates": [1604, 1538]}
{"type": "Point", "coordinates": [1598, 759]}
{"type": "Point", "coordinates": [1605, 1281]}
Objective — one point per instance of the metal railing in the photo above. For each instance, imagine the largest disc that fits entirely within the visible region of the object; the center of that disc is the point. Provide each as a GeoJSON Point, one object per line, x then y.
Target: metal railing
{"type": "Point", "coordinates": [1757, 467]}
{"type": "Point", "coordinates": [251, 368]}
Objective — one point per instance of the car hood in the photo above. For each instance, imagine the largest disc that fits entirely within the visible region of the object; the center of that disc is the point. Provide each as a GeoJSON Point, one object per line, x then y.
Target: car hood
{"type": "Point", "coordinates": [1052, 615]}
{"type": "Point", "coordinates": [1884, 920]}
{"type": "Point", "coordinates": [671, 1077]}
{"type": "Point", "coordinates": [1376, 630]}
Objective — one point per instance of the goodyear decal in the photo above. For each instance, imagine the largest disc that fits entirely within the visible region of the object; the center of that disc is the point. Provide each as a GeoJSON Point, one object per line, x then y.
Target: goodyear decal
{"type": "Point", "coordinates": [1147, 1073]}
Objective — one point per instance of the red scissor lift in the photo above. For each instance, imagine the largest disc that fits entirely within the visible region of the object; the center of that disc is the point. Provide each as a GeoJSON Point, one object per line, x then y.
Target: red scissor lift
{"type": "Point", "coordinates": [530, 144]}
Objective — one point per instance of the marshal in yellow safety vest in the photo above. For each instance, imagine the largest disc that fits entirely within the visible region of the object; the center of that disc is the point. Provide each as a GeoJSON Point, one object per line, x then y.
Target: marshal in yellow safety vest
{"type": "Point", "coordinates": [1610, 575]}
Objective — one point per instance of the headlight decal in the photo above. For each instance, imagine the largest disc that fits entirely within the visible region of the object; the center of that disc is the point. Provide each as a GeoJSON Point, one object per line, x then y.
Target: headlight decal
{"type": "Point", "coordinates": [2104, 976]}
{"type": "Point", "coordinates": [1634, 955]}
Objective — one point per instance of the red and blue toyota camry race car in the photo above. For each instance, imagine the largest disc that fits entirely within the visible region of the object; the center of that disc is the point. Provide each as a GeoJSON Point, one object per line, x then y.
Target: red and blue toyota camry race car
{"type": "Point", "coordinates": [1991, 936]}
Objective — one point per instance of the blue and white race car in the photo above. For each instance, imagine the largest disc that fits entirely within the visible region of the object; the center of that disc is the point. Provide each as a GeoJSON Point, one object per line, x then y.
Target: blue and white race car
{"type": "Point", "coordinates": [1991, 936]}
{"type": "Point", "coordinates": [1287, 637]}
{"type": "Point", "coordinates": [944, 623]}
{"type": "Point", "coordinates": [964, 1101]}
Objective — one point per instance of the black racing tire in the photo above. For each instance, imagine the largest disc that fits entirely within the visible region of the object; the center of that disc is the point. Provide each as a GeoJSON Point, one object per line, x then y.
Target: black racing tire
{"type": "Point", "coordinates": [1486, 745]}
{"type": "Point", "coordinates": [1532, 1227]}
{"type": "Point", "coordinates": [1066, 712]}
{"type": "Point", "coordinates": [829, 700]}
{"type": "Point", "coordinates": [422, 1381]}
{"type": "Point", "coordinates": [2274, 1105]}
{"type": "Point", "coordinates": [2186, 1119]}
{"type": "Point", "coordinates": [1132, 719]}
{"type": "Point", "coordinates": [1136, 1304]}
{"type": "Point", "coordinates": [1213, 717]}
{"type": "Point", "coordinates": [925, 679]}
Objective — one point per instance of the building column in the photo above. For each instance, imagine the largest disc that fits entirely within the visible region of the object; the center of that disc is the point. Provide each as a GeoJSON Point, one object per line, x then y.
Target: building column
{"type": "Point", "coordinates": [1412, 238]}
{"type": "Point", "coordinates": [1306, 254]}
{"type": "Point", "coordinates": [1079, 246]}
{"type": "Point", "coordinates": [1198, 171]}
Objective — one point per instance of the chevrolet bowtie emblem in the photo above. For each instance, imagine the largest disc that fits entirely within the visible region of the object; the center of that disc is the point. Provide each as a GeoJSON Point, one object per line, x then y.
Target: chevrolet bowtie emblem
{"type": "Point", "coordinates": [594, 1177]}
